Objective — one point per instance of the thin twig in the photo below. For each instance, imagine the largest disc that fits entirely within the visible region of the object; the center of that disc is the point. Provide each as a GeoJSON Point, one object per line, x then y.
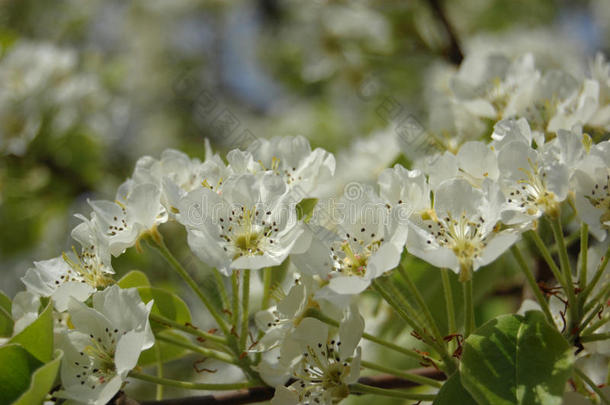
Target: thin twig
{"type": "Point", "coordinates": [454, 52]}
{"type": "Point", "coordinates": [260, 394]}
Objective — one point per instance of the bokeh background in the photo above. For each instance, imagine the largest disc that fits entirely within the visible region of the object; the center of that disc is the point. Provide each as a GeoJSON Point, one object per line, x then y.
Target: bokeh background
{"type": "Point", "coordinates": [87, 87]}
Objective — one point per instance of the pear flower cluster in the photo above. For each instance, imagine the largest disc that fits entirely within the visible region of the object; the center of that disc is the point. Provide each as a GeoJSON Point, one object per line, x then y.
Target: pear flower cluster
{"type": "Point", "coordinates": [460, 209]}
{"type": "Point", "coordinates": [490, 86]}
{"type": "Point", "coordinates": [38, 77]}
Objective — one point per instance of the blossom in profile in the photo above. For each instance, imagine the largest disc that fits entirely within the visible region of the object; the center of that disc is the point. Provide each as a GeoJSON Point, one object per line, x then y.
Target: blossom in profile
{"type": "Point", "coordinates": [536, 180]}
{"type": "Point", "coordinates": [76, 275]}
{"type": "Point", "coordinates": [137, 209]}
{"type": "Point", "coordinates": [289, 157]}
{"type": "Point", "coordinates": [322, 365]}
{"type": "Point", "coordinates": [591, 184]}
{"type": "Point", "coordinates": [462, 233]}
{"type": "Point", "coordinates": [104, 344]}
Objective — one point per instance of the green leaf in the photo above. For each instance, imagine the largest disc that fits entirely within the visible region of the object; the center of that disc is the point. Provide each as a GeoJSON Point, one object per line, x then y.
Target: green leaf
{"type": "Point", "coordinates": [6, 320]}
{"type": "Point", "coordinates": [37, 338]}
{"type": "Point", "coordinates": [166, 304]}
{"type": "Point", "coordinates": [278, 273]}
{"type": "Point", "coordinates": [452, 392]}
{"type": "Point", "coordinates": [16, 368]}
{"type": "Point", "coordinates": [169, 352]}
{"type": "Point", "coordinates": [305, 208]}
{"type": "Point", "coordinates": [134, 278]}
{"type": "Point", "coordinates": [206, 281]}
{"type": "Point", "coordinates": [41, 383]}
{"type": "Point", "coordinates": [5, 302]}
{"type": "Point", "coordinates": [6, 323]}
{"type": "Point", "coordinates": [516, 359]}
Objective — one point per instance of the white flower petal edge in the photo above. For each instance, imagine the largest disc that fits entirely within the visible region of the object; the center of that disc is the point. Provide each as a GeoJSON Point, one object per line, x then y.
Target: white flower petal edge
{"type": "Point", "coordinates": [355, 239]}
{"type": "Point", "coordinates": [104, 345]}
{"type": "Point", "coordinates": [55, 278]}
{"type": "Point", "coordinates": [252, 224]}
{"type": "Point", "coordinates": [323, 367]}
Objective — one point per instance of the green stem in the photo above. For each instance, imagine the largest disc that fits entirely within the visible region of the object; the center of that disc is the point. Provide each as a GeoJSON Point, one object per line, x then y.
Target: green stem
{"type": "Point", "coordinates": [190, 385]}
{"type": "Point", "coordinates": [564, 262]}
{"type": "Point", "coordinates": [393, 297]}
{"type": "Point", "coordinates": [399, 373]}
{"type": "Point", "coordinates": [235, 298]}
{"type": "Point", "coordinates": [532, 282]}
{"type": "Point", "coordinates": [198, 349]}
{"type": "Point", "coordinates": [188, 329]}
{"type": "Point", "coordinates": [159, 391]}
{"type": "Point", "coordinates": [571, 238]}
{"type": "Point", "coordinates": [593, 386]}
{"type": "Point", "coordinates": [582, 280]}
{"type": "Point", "coordinates": [590, 317]}
{"type": "Point", "coordinates": [594, 337]}
{"type": "Point", "coordinates": [267, 278]}
{"type": "Point", "coordinates": [598, 274]}
{"type": "Point", "coordinates": [546, 255]}
{"type": "Point", "coordinates": [597, 298]}
{"type": "Point", "coordinates": [421, 303]}
{"type": "Point", "coordinates": [595, 326]}
{"type": "Point", "coordinates": [584, 250]}
{"type": "Point", "coordinates": [448, 300]}
{"type": "Point", "coordinates": [315, 313]}
{"type": "Point", "coordinates": [175, 264]}
{"type": "Point", "coordinates": [367, 389]}
{"type": "Point", "coordinates": [245, 312]}
{"type": "Point", "coordinates": [221, 287]}
{"type": "Point", "coordinates": [389, 293]}
{"type": "Point", "coordinates": [469, 322]}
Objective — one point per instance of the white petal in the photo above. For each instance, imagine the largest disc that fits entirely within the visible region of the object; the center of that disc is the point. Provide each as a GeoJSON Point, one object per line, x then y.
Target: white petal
{"type": "Point", "coordinates": [497, 245]}
{"type": "Point", "coordinates": [293, 302]}
{"type": "Point", "coordinates": [350, 331]}
{"type": "Point", "coordinates": [128, 351]}
{"type": "Point", "coordinates": [284, 396]}
{"type": "Point", "coordinates": [457, 197]}
{"type": "Point", "coordinates": [71, 289]}
{"type": "Point", "coordinates": [348, 284]}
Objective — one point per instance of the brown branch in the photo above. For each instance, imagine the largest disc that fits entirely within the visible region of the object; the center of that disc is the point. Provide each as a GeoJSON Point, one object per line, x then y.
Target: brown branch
{"type": "Point", "coordinates": [259, 394]}
{"type": "Point", "coordinates": [454, 52]}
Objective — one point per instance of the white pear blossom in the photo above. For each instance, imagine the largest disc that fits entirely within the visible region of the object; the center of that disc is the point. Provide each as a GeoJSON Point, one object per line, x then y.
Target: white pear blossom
{"type": "Point", "coordinates": [250, 225]}
{"type": "Point", "coordinates": [75, 275]}
{"type": "Point", "coordinates": [41, 82]}
{"type": "Point", "coordinates": [363, 161]}
{"type": "Point", "coordinates": [499, 87]}
{"type": "Point", "coordinates": [578, 109]}
{"type": "Point", "coordinates": [356, 239]}
{"type": "Point", "coordinates": [398, 185]}
{"type": "Point", "coordinates": [94, 260]}
{"type": "Point", "coordinates": [24, 310]}
{"type": "Point", "coordinates": [136, 210]}
{"type": "Point", "coordinates": [473, 161]}
{"type": "Point", "coordinates": [104, 345]}
{"type": "Point", "coordinates": [462, 232]}
{"type": "Point", "coordinates": [600, 72]}
{"type": "Point", "coordinates": [280, 320]}
{"type": "Point", "coordinates": [55, 278]}
{"type": "Point", "coordinates": [175, 174]}
{"type": "Point", "coordinates": [290, 158]}
{"type": "Point", "coordinates": [322, 366]}
{"type": "Point", "coordinates": [591, 182]}
{"type": "Point", "coordinates": [535, 181]}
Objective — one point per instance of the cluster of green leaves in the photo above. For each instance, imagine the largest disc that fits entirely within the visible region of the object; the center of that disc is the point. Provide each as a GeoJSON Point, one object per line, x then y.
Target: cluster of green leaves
{"type": "Point", "coordinates": [28, 365]}
{"type": "Point", "coordinates": [511, 359]}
